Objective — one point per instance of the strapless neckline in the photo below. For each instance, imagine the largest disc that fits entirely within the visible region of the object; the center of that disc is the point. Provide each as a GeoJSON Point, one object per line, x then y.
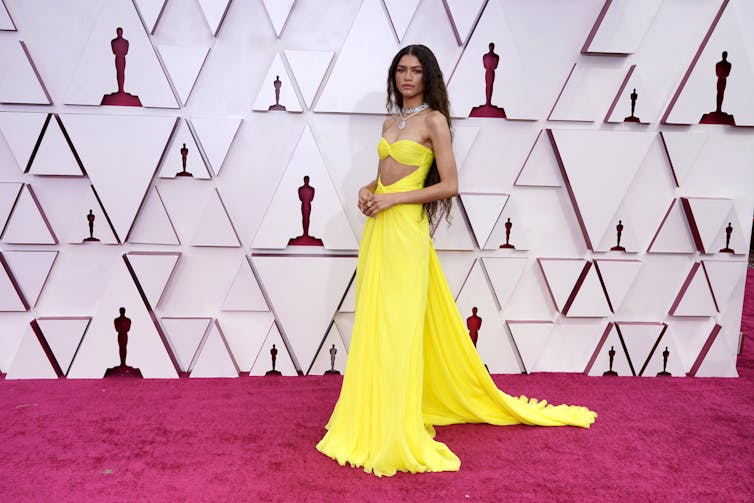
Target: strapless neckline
{"type": "Point", "coordinates": [406, 140]}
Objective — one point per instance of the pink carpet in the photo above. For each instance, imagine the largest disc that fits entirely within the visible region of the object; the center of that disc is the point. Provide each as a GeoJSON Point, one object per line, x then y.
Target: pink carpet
{"type": "Point", "coordinates": [252, 439]}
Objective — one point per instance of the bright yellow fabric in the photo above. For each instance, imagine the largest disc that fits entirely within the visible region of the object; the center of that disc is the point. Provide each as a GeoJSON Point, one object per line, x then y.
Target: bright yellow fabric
{"type": "Point", "coordinates": [411, 363]}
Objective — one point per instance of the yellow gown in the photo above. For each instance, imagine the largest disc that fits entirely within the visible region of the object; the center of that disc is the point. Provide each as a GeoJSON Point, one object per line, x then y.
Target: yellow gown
{"type": "Point", "coordinates": [411, 363]}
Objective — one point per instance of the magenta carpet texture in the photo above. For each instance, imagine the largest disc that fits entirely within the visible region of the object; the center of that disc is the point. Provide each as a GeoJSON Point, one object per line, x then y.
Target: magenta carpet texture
{"type": "Point", "coordinates": [252, 439]}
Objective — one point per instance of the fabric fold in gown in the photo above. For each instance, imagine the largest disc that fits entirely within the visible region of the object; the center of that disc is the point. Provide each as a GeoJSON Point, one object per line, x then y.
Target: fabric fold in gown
{"type": "Point", "coordinates": [411, 363]}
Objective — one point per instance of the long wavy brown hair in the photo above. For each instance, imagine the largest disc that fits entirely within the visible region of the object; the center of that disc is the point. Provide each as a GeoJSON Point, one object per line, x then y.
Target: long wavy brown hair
{"type": "Point", "coordinates": [436, 95]}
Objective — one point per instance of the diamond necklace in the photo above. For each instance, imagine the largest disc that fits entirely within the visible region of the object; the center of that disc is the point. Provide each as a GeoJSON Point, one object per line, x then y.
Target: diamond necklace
{"type": "Point", "coordinates": [410, 113]}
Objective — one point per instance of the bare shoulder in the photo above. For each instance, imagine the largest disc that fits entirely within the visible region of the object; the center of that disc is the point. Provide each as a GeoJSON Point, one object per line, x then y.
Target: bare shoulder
{"type": "Point", "coordinates": [436, 122]}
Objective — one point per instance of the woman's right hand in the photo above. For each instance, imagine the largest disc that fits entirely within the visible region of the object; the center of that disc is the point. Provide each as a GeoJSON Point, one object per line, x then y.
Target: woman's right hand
{"type": "Point", "coordinates": [364, 196]}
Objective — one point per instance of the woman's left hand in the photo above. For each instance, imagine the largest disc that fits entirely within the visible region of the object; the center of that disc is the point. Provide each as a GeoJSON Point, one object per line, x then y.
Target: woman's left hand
{"type": "Point", "coordinates": [379, 202]}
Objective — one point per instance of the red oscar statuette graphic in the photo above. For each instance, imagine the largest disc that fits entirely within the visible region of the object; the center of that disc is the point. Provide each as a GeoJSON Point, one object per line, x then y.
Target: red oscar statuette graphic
{"type": "Point", "coordinates": [619, 231]}
{"type": "Point", "coordinates": [306, 196]}
{"type": "Point", "coordinates": [611, 355]}
{"type": "Point", "coordinates": [474, 323]}
{"type": "Point", "coordinates": [119, 46]}
{"type": "Point", "coordinates": [278, 84]}
{"type": "Point", "coordinates": [664, 372]}
{"type": "Point", "coordinates": [274, 356]}
{"type": "Point", "coordinates": [722, 70]}
{"type": "Point", "coordinates": [122, 326]}
{"type": "Point", "coordinates": [632, 118]}
{"type": "Point", "coordinates": [90, 219]}
{"type": "Point", "coordinates": [490, 61]}
{"type": "Point", "coordinates": [332, 370]}
{"type": "Point", "coordinates": [728, 232]}
{"type": "Point", "coordinates": [184, 156]}
{"type": "Point", "coordinates": [507, 244]}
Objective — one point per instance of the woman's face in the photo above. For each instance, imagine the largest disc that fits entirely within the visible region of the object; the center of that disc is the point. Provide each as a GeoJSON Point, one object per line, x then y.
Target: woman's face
{"type": "Point", "coordinates": [409, 76]}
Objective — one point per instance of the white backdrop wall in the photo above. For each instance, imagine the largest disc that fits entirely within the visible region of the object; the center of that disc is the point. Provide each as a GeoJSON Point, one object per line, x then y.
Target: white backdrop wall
{"type": "Point", "coordinates": [203, 264]}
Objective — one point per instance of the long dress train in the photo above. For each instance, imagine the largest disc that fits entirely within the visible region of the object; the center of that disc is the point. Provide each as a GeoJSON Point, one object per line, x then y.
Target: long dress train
{"type": "Point", "coordinates": [411, 363]}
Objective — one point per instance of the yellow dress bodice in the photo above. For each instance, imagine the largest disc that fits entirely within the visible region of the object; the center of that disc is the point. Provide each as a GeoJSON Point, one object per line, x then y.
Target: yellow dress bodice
{"type": "Point", "coordinates": [410, 153]}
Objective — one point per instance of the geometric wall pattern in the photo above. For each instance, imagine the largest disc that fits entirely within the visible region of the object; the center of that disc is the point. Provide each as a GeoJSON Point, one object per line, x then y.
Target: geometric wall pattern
{"type": "Point", "coordinates": [197, 162]}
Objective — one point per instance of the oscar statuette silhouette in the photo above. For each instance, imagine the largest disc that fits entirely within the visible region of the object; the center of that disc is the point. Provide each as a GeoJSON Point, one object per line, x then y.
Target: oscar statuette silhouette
{"type": "Point", "coordinates": [611, 355]}
{"type": "Point", "coordinates": [665, 355]}
{"type": "Point", "coordinates": [306, 196]}
{"type": "Point", "coordinates": [722, 70]}
{"type": "Point", "coordinates": [474, 323]}
{"type": "Point", "coordinates": [90, 220]}
{"type": "Point", "coordinates": [332, 370]}
{"type": "Point", "coordinates": [507, 244]}
{"type": "Point", "coordinates": [728, 232]}
{"type": "Point", "coordinates": [619, 232]}
{"type": "Point", "coordinates": [278, 84]}
{"type": "Point", "coordinates": [632, 118]}
{"type": "Point", "coordinates": [184, 158]}
{"type": "Point", "coordinates": [119, 46]}
{"type": "Point", "coordinates": [490, 60]}
{"type": "Point", "coordinates": [122, 325]}
{"type": "Point", "coordinates": [274, 356]}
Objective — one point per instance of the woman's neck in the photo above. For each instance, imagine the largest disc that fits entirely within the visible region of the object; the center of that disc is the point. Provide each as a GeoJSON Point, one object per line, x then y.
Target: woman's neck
{"type": "Point", "coordinates": [413, 101]}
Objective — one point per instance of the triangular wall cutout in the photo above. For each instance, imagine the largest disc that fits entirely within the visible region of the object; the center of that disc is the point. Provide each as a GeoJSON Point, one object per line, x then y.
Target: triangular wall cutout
{"type": "Point", "coordinates": [214, 358]}
{"type": "Point", "coordinates": [483, 211]}
{"type": "Point", "coordinates": [214, 12]}
{"type": "Point", "coordinates": [183, 64]}
{"type": "Point", "coordinates": [22, 131]}
{"type": "Point", "coordinates": [153, 271]}
{"type": "Point", "coordinates": [244, 294]}
{"type": "Point", "coordinates": [185, 335]}
{"type": "Point", "coordinates": [277, 91]}
{"type": "Point", "coordinates": [263, 361]}
{"type": "Point", "coordinates": [30, 269]}
{"type": "Point", "coordinates": [309, 68]}
{"type": "Point", "coordinates": [153, 225]}
{"type": "Point", "coordinates": [26, 86]}
{"type": "Point", "coordinates": [215, 135]}
{"type": "Point", "coordinates": [150, 12]}
{"type": "Point", "coordinates": [695, 297]}
{"type": "Point", "coordinates": [541, 166]}
{"type": "Point", "coordinates": [64, 336]}
{"type": "Point", "coordinates": [27, 223]}
{"type": "Point", "coordinates": [674, 234]}
{"type": "Point", "coordinates": [182, 143]}
{"type": "Point", "coordinates": [53, 155]}
{"type": "Point", "coordinates": [401, 13]}
{"type": "Point", "coordinates": [215, 227]}
{"type": "Point", "coordinates": [278, 12]}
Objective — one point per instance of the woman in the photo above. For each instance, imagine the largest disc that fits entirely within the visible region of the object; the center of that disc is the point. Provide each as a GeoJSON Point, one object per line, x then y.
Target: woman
{"type": "Point", "coordinates": [411, 363]}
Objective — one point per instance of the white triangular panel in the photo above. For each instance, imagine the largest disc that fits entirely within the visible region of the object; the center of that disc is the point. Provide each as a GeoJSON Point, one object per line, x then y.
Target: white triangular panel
{"type": "Point", "coordinates": [153, 271]}
{"type": "Point", "coordinates": [309, 68]}
{"type": "Point", "coordinates": [266, 96]}
{"type": "Point", "coordinates": [183, 64]}
{"type": "Point", "coordinates": [27, 224]}
{"type": "Point", "coordinates": [305, 291]}
{"type": "Point", "coordinates": [698, 93]}
{"type": "Point", "coordinates": [616, 35]}
{"type": "Point", "coordinates": [363, 91]}
{"type": "Point", "coordinates": [214, 358]}
{"type": "Point", "coordinates": [9, 297]}
{"type": "Point", "coordinates": [456, 266]}
{"type": "Point", "coordinates": [283, 219]}
{"type": "Point", "coordinates": [570, 346]}
{"type": "Point", "coordinates": [646, 105]}
{"type": "Point", "coordinates": [602, 361]}
{"type": "Point", "coordinates": [172, 162]}
{"type": "Point", "coordinates": [599, 167]}
{"type": "Point", "coordinates": [21, 131]}
{"type": "Point", "coordinates": [737, 240]}
{"type": "Point", "coordinates": [322, 362]}
{"type": "Point", "coordinates": [344, 321]}
{"type": "Point", "coordinates": [278, 12]}
{"type": "Point", "coordinates": [673, 235]}
{"type": "Point", "coordinates": [150, 12]}
{"type": "Point", "coordinates": [618, 277]}
{"type": "Point", "coordinates": [541, 166]}
{"type": "Point", "coordinates": [348, 305]}
{"type": "Point", "coordinates": [263, 360]}
{"type": "Point", "coordinates": [463, 15]}
{"type": "Point", "coordinates": [588, 92]}
{"type": "Point", "coordinates": [14, 328]}
{"type": "Point", "coordinates": [153, 225]}
{"type": "Point", "coordinates": [99, 349]}
{"type": "Point", "coordinates": [120, 154]}
{"type": "Point", "coordinates": [30, 269]}
{"type": "Point", "coordinates": [54, 156]}
{"type": "Point", "coordinates": [455, 235]}
{"type": "Point", "coordinates": [724, 276]}
{"type": "Point", "coordinates": [78, 221]}
{"type": "Point", "coordinates": [215, 227]}
{"type": "Point", "coordinates": [6, 23]}
{"type": "Point", "coordinates": [483, 211]}
{"type": "Point", "coordinates": [683, 149]}
{"type": "Point", "coordinates": [561, 276]}
{"type": "Point", "coordinates": [531, 338]}
{"type": "Point", "coordinates": [640, 338]}
{"type": "Point", "coordinates": [504, 273]}
{"type": "Point", "coordinates": [19, 81]}
{"type": "Point", "coordinates": [9, 192]}
{"type": "Point", "coordinates": [695, 296]}
{"type": "Point", "coordinates": [95, 75]}
{"type": "Point", "coordinates": [686, 337]}
{"type": "Point", "coordinates": [244, 293]}
{"type": "Point", "coordinates": [215, 135]}
{"type": "Point", "coordinates": [64, 335]}
{"type": "Point", "coordinates": [214, 12]}
{"type": "Point", "coordinates": [30, 361]}
{"type": "Point", "coordinates": [401, 13]}
{"type": "Point", "coordinates": [245, 334]}
{"type": "Point", "coordinates": [463, 141]}
{"type": "Point", "coordinates": [493, 344]}
{"type": "Point", "coordinates": [590, 299]}
{"type": "Point", "coordinates": [185, 335]}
